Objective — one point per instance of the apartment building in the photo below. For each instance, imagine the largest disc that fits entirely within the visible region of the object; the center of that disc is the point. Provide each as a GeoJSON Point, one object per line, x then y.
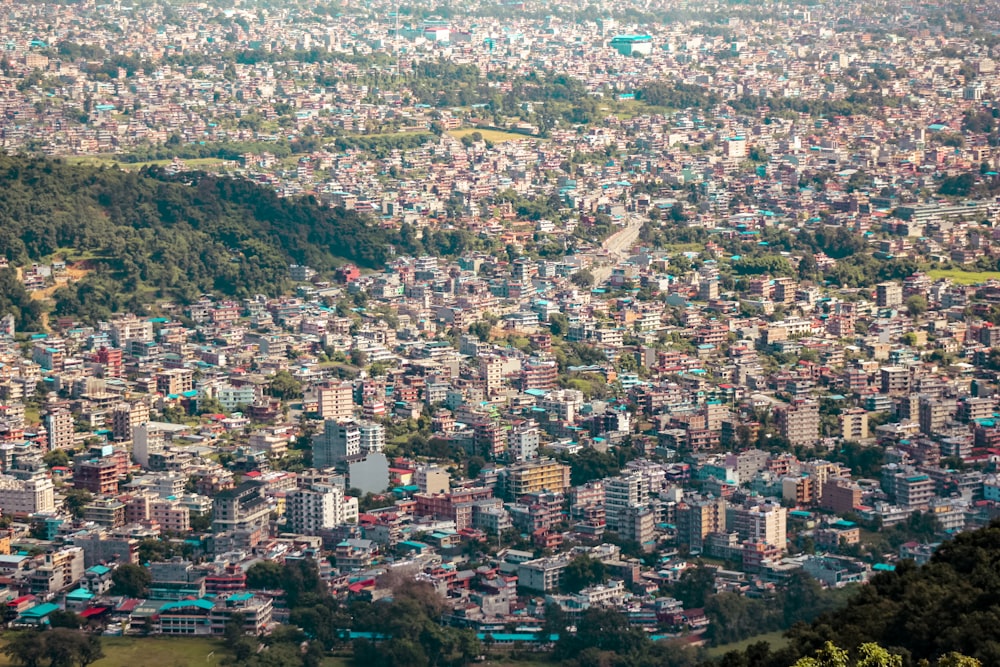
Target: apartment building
{"type": "Point", "coordinates": [798, 422]}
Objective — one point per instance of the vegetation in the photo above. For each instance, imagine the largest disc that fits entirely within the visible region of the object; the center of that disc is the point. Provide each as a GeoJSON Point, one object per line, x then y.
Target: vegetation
{"type": "Point", "coordinates": [152, 234]}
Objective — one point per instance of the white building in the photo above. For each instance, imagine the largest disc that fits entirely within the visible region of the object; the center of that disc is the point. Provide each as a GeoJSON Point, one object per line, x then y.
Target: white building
{"type": "Point", "coordinates": [28, 495]}
{"type": "Point", "coordinates": [322, 506]}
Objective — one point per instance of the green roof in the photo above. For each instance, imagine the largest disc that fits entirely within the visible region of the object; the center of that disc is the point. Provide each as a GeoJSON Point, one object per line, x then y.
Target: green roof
{"type": "Point", "coordinates": [40, 611]}
{"type": "Point", "coordinates": [181, 604]}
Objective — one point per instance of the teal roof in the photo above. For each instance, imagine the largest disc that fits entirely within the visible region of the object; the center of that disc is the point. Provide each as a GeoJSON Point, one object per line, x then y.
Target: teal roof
{"type": "Point", "coordinates": [181, 604]}
{"type": "Point", "coordinates": [80, 594]}
{"type": "Point", "coordinates": [40, 611]}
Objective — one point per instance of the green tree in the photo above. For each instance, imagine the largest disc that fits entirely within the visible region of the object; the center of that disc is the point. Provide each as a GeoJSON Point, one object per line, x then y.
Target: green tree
{"type": "Point", "coordinates": [581, 572]}
{"type": "Point", "coordinates": [76, 500]}
{"type": "Point", "coordinates": [916, 305]}
{"type": "Point", "coordinates": [582, 278]}
{"type": "Point", "coordinates": [265, 575]}
{"type": "Point", "coordinates": [56, 458]}
{"type": "Point", "coordinates": [283, 385]}
{"type": "Point", "coordinates": [131, 580]}
{"type": "Point", "coordinates": [26, 648]}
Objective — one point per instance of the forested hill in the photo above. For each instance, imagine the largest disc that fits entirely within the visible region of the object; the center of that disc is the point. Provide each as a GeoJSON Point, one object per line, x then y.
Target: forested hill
{"type": "Point", "coordinates": [148, 234]}
{"type": "Point", "coordinates": [952, 604]}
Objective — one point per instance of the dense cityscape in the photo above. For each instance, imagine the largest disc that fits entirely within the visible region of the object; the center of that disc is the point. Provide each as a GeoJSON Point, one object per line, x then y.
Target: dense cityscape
{"type": "Point", "coordinates": [617, 334]}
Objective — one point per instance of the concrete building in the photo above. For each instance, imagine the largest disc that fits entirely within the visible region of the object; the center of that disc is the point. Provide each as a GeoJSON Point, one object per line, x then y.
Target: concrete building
{"type": "Point", "coordinates": [60, 428]}
{"type": "Point", "coordinates": [432, 479]}
{"type": "Point", "coordinates": [23, 493]}
{"type": "Point", "coordinates": [854, 424]}
{"type": "Point", "coordinates": [522, 441]}
{"type": "Point", "coordinates": [888, 295]}
{"type": "Point", "coordinates": [241, 509]}
{"type": "Point", "coordinates": [798, 422]}
{"type": "Point", "coordinates": [761, 524]}
{"type": "Point", "coordinates": [335, 400]}
{"type": "Point", "coordinates": [895, 380]}
{"type": "Point", "coordinates": [621, 493]}
{"type": "Point", "coordinates": [697, 518]}
{"type": "Point", "coordinates": [525, 477]}
{"type": "Point", "coordinates": [934, 413]}
{"type": "Point", "coordinates": [339, 441]}
{"type": "Point", "coordinates": [318, 507]}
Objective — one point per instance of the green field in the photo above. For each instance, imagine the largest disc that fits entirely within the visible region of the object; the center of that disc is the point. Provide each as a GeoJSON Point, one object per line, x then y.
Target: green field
{"type": "Point", "coordinates": [964, 277]}
{"type": "Point", "coordinates": [493, 136]}
{"type": "Point", "coordinates": [775, 639]}
{"type": "Point", "coordinates": [111, 161]}
{"type": "Point", "coordinates": [157, 652]}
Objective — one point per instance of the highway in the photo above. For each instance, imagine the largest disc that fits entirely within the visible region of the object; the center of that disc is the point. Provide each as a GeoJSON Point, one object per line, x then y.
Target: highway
{"type": "Point", "coordinates": [618, 245]}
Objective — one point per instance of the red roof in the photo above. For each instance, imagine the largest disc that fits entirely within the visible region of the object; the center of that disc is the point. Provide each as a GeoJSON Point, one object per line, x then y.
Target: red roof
{"type": "Point", "coordinates": [21, 600]}
{"type": "Point", "coordinates": [129, 605]}
{"type": "Point", "coordinates": [93, 611]}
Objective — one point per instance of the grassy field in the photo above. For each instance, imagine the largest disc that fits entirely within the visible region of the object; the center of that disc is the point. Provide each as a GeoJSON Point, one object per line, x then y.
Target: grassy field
{"type": "Point", "coordinates": [773, 638]}
{"type": "Point", "coordinates": [111, 161]}
{"type": "Point", "coordinates": [158, 652]}
{"type": "Point", "coordinates": [964, 277]}
{"type": "Point", "coordinates": [494, 136]}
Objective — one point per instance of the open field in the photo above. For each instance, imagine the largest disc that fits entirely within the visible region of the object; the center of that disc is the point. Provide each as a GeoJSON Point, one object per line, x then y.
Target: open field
{"type": "Point", "coordinates": [111, 161]}
{"type": "Point", "coordinates": [775, 639]}
{"type": "Point", "coordinates": [964, 277]}
{"type": "Point", "coordinates": [494, 136]}
{"type": "Point", "coordinates": [157, 652]}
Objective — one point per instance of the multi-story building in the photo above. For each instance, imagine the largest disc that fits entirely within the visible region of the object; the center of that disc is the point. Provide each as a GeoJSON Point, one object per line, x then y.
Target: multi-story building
{"type": "Point", "coordinates": [335, 400]}
{"type": "Point", "coordinates": [522, 441]}
{"type": "Point", "coordinates": [761, 524]}
{"type": "Point", "coordinates": [125, 417]}
{"type": "Point", "coordinates": [525, 477]}
{"type": "Point", "coordinates": [59, 570]}
{"type": "Point", "coordinates": [241, 509]}
{"type": "Point", "coordinates": [840, 496]}
{"type": "Point", "coordinates": [23, 493]}
{"type": "Point", "coordinates": [854, 424]}
{"type": "Point", "coordinates": [888, 295]}
{"type": "Point", "coordinates": [934, 413]}
{"type": "Point", "coordinates": [372, 437]}
{"type": "Point", "coordinates": [697, 518]}
{"type": "Point", "coordinates": [319, 507]}
{"type": "Point", "coordinates": [339, 441]}
{"type": "Point", "coordinates": [60, 428]}
{"type": "Point", "coordinates": [798, 422]}
{"type": "Point", "coordinates": [621, 493]}
{"type": "Point", "coordinates": [895, 380]}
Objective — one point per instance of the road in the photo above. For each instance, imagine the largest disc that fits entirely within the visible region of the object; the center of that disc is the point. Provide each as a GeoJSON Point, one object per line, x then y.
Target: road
{"type": "Point", "coordinates": [618, 245]}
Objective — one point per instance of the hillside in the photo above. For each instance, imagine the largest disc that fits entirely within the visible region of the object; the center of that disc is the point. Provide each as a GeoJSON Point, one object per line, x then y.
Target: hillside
{"type": "Point", "coordinates": [952, 604]}
{"type": "Point", "coordinates": [148, 234]}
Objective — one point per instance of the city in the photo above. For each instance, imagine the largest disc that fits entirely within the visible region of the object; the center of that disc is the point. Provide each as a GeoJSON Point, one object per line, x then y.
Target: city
{"type": "Point", "coordinates": [440, 334]}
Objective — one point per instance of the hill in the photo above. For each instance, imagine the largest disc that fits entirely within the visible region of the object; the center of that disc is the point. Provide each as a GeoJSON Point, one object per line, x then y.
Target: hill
{"type": "Point", "coordinates": [951, 604]}
{"type": "Point", "coordinates": [149, 234]}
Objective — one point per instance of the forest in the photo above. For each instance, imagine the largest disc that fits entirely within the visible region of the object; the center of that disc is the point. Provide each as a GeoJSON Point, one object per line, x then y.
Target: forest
{"type": "Point", "coordinates": [147, 235]}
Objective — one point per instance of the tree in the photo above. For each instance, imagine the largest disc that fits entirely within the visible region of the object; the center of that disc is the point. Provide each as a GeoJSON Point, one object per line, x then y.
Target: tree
{"type": "Point", "coordinates": [481, 329]}
{"type": "Point", "coordinates": [131, 580]}
{"type": "Point", "coordinates": [581, 572]}
{"type": "Point", "coordinates": [916, 305]}
{"type": "Point", "coordinates": [64, 619]}
{"type": "Point", "coordinates": [558, 324]}
{"type": "Point", "coordinates": [694, 586]}
{"type": "Point", "coordinates": [582, 278]}
{"type": "Point", "coordinates": [264, 575]}
{"type": "Point", "coordinates": [76, 500]}
{"type": "Point", "coordinates": [869, 655]}
{"type": "Point", "coordinates": [201, 522]}
{"type": "Point", "coordinates": [284, 386]}
{"type": "Point", "coordinates": [26, 648]}
{"type": "Point", "coordinates": [56, 458]}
